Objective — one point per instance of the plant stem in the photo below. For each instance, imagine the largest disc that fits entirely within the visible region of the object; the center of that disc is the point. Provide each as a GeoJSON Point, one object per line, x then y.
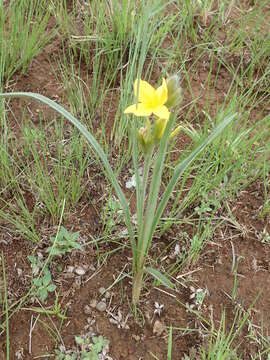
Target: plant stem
{"type": "Point", "coordinates": [137, 285]}
{"type": "Point", "coordinates": [146, 169]}
{"type": "Point", "coordinates": [139, 267]}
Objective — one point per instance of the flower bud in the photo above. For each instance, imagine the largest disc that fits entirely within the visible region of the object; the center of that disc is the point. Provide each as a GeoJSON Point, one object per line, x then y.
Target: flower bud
{"type": "Point", "coordinates": [174, 91]}
{"type": "Point", "coordinates": [159, 128]}
{"type": "Point", "coordinates": [145, 137]}
{"type": "Point", "coordinates": [140, 138]}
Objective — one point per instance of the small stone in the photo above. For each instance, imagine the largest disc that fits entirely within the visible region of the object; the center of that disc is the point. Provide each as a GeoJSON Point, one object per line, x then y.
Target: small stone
{"type": "Point", "coordinates": [92, 268]}
{"type": "Point", "coordinates": [101, 290]}
{"type": "Point", "coordinates": [70, 269]}
{"type": "Point", "coordinates": [136, 337]}
{"type": "Point", "coordinates": [158, 328]}
{"type": "Point", "coordinates": [40, 255]}
{"type": "Point", "coordinates": [19, 354]}
{"type": "Point", "coordinates": [80, 271]}
{"type": "Point", "coordinates": [107, 295]}
{"type": "Point", "coordinates": [19, 272]}
{"type": "Point", "coordinates": [101, 306]}
{"type": "Point", "coordinates": [78, 282]}
{"type": "Point", "coordinates": [87, 310]}
{"type": "Point", "coordinates": [93, 303]}
{"type": "Point", "coordinates": [68, 275]}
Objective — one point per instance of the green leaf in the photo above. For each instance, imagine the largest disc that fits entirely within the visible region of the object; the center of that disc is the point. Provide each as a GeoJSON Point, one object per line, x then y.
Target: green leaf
{"type": "Point", "coordinates": [160, 277]}
{"type": "Point", "coordinates": [53, 251]}
{"type": "Point", "coordinates": [51, 287]}
{"type": "Point", "coordinates": [76, 246]}
{"type": "Point", "coordinates": [38, 282]}
{"type": "Point", "coordinates": [43, 294]}
{"type": "Point", "coordinates": [79, 340]}
{"type": "Point", "coordinates": [75, 236]}
{"type": "Point", "coordinates": [169, 353]}
{"type": "Point", "coordinates": [31, 258]}
{"type": "Point", "coordinates": [46, 278]}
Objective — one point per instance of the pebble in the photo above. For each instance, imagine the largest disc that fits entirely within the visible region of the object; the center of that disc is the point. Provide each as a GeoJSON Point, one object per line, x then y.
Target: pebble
{"type": "Point", "coordinates": [80, 271]}
{"type": "Point", "coordinates": [78, 282]}
{"type": "Point", "coordinates": [136, 337]}
{"type": "Point", "coordinates": [87, 310]}
{"type": "Point", "coordinates": [158, 328]}
{"type": "Point", "coordinates": [92, 268]}
{"type": "Point", "coordinates": [101, 306]}
{"type": "Point", "coordinates": [105, 293]}
{"type": "Point", "coordinates": [93, 303]}
{"type": "Point", "coordinates": [102, 290]}
{"type": "Point", "coordinates": [19, 271]}
{"type": "Point", "coordinates": [70, 269]}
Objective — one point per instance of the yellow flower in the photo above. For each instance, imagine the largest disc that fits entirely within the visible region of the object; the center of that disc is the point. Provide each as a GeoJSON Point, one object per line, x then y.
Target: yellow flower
{"type": "Point", "coordinates": [150, 100]}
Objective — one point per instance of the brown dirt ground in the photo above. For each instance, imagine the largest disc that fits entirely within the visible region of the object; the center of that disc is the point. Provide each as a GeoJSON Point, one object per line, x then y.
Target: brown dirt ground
{"type": "Point", "coordinates": [213, 270]}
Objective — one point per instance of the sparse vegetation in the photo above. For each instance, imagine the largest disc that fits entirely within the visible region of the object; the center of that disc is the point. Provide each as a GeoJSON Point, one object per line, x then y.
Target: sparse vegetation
{"type": "Point", "coordinates": [68, 233]}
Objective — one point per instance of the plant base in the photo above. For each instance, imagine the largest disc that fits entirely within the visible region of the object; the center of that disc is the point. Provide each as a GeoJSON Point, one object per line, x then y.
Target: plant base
{"type": "Point", "coordinates": [137, 286]}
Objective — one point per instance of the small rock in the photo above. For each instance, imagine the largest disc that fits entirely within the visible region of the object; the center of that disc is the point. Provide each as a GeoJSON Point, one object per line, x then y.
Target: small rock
{"type": "Point", "coordinates": [80, 271]}
{"type": "Point", "coordinates": [107, 295]}
{"type": "Point", "coordinates": [93, 303]}
{"type": "Point", "coordinates": [19, 272]}
{"type": "Point", "coordinates": [136, 337]}
{"type": "Point", "coordinates": [19, 354]}
{"type": "Point", "coordinates": [77, 282]}
{"type": "Point", "coordinates": [158, 328]}
{"type": "Point", "coordinates": [70, 269]}
{"type": "Point", "coordinates": [68, 275]}
{"type": "Point", "coordinates": [101, 290]}
{"type": "Point", "coordinates": [87, 310]}
{"type": "Point", "coordinates": [92, 268]}
{"type": "Point", "coordinates": [101, 306]}
{"type": "Point", "coordinates": [40, 255]}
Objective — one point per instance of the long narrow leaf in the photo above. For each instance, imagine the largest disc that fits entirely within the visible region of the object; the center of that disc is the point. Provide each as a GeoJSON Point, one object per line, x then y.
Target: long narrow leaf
{"type": "Point", "coordinates": [169, 353]}
{"type": "Point", "coordinates": [180, 168]}
{"type": "Point", "coordinates": [138, 189]}
{"type": "Point", "coordinates": [160, 277]}
{"type": "Point", "coordinates": [6, 305]}
{"type": "Point", "coordinates": [95, 147]}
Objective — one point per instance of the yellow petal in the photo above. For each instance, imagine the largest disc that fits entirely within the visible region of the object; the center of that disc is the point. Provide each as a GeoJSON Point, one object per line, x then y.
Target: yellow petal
{"type": "Point", "coordinates": [138, 110]}
{"type": "Point", "coordinates": [162, 93]}
{"type": "Point", "coordinates": [147, 93]}
{"type": "Point", "coordinates": [162, 112]}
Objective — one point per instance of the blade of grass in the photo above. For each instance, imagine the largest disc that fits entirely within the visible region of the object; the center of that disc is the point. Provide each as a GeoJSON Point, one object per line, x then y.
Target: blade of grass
{"type": "Point", "coordinates": [6, 305]}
